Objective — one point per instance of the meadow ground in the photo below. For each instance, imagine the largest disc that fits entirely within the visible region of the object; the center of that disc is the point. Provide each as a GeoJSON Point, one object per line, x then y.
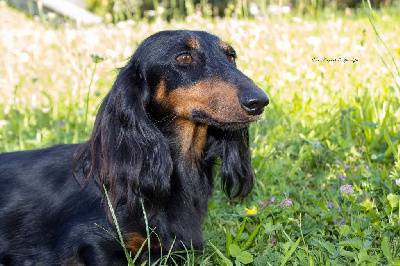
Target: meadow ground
{"type": "Point", "coordinates": [326, 151]}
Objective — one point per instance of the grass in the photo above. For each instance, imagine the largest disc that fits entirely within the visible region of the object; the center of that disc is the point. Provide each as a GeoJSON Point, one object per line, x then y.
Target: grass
{"type": "Point", "coordinates": [326, 151]}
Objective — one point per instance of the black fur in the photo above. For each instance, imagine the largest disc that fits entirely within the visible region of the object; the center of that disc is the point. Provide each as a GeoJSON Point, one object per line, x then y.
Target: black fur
{"type": "Point", "coordinates": [52, 202]}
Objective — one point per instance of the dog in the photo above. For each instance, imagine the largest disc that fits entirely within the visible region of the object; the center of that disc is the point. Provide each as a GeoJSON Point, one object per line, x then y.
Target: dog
{"type": "Point", "coordinates": [176, 109]}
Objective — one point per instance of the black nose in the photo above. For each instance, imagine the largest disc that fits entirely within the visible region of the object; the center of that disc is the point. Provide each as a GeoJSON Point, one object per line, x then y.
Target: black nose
{"type": "Point", "coordinates": [253, 102]}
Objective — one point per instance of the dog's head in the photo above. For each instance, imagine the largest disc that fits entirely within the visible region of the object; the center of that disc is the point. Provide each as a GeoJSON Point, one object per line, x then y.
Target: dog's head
{"type": "Point", "coordinates": [193, 74]}
{"type": "Point", "coordinates": [192, 79]}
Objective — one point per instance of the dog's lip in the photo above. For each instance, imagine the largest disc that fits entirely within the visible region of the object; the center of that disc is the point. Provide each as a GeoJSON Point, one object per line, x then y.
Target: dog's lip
{"type": "Point", "coordinates": [202, 117]}
{"type": "Point", "coordinates": [230, 125]}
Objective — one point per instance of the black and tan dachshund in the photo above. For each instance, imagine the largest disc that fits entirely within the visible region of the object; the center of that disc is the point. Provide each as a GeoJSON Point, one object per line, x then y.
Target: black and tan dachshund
{"type": "Point", "coordinates": [178, 105]}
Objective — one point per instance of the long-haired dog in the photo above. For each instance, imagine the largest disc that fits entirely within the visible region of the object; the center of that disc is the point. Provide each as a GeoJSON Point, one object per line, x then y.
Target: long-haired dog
{"type": "Point", "coordinates": [178, 105]}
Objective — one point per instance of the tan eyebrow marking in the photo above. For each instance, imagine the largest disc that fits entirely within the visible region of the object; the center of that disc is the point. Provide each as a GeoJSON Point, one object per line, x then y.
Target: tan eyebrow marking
{"type": "Point", "coordinates": [224, 45]}
{"type": "Point", "coordinates": [193, 43]}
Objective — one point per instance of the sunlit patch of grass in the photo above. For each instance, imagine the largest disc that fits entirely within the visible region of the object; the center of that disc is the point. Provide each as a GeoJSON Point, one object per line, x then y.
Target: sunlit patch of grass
{"type": "Point", "coordinates": [331, 128]}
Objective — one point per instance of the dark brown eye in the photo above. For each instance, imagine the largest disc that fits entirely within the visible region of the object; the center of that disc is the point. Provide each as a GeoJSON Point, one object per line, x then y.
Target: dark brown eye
{"type": "Point", "coordinates": [184, 59]}
{"type": "Point", "coordinates": [231, 58]}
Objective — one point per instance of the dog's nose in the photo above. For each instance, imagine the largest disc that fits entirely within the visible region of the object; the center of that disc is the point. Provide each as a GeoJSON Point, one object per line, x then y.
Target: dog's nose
{"type": "Point", "coordinates": [254, 102]}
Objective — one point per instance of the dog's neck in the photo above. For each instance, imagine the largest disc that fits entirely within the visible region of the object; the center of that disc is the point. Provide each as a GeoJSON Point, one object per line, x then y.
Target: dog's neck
{"type": "Point", "coordinates": [187, 139]}
{"type": "Point", "coordinates": [190, 153]}
{"type": "Point", "coordinates": [190, 139]}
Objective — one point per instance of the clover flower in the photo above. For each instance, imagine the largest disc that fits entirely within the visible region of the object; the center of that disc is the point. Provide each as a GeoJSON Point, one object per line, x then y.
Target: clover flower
{"type": "Point", "coordinates": [336, 221]}
{"type": "Point", "coordinates": [273, 241]}
{"type": "Point", "coordinates": [286, 203]}
{"type": "Point", "coordinates": [266, 203]}
{"type": "Point", "coordinates": [61, 124]}
{"type": "Point", "coordinates": [347, 189]}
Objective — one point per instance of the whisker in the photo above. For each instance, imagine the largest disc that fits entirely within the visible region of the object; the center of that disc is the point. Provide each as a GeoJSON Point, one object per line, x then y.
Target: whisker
{"type": "Point", "coordinates": [172, 119]}
{"type": "Point", "coordinates": [168, 119]}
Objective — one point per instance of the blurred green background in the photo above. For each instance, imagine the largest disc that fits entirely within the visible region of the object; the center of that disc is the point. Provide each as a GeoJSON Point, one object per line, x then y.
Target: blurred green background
{"type": "Point", "coordinates": [117, 10]}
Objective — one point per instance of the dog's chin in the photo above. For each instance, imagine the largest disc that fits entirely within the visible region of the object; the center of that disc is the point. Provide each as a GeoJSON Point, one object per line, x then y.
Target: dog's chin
{"type": "Point", "coordinates": [203, 118]}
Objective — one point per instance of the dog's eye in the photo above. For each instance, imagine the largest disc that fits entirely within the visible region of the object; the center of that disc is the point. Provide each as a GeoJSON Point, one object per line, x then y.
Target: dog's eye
{"type": "Point", "coordinates": [184, 59]}
{"type": "Point", "coordinates": [231, 58]}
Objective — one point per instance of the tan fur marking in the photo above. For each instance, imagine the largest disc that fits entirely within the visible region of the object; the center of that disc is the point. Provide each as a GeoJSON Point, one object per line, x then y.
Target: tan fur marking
{"type": "Point", "coordinates": [193, 137]}
{"type": "Point", "coordinates": [133, 242]}
{"type": "Point", "coordinates": [161, 94]}
{"type": "Point", "coordinates": [193, 43]}
{"type": "Point", "coordinates": [71, 262]}
{"type": "Point", "coordinates": [224, 45]}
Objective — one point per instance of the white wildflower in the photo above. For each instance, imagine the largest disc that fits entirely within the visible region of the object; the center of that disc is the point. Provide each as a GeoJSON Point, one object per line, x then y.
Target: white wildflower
{"type": "Point", "coordinates": [314, 40]}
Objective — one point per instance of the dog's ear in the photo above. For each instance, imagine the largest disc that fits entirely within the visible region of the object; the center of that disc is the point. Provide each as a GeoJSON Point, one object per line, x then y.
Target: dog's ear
{"type": "Point", "coordinates": [236, 169]}
{"type": "Point", "coordinates": [126, 152]}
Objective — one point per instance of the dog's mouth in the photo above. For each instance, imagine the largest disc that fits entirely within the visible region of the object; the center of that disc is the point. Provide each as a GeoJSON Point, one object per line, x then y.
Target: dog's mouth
{"type": "Point", "coordinates": [204, 118]}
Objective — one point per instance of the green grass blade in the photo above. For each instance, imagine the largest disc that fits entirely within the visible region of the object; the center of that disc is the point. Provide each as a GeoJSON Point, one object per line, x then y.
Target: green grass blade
{"type": "Point", "coordinates": [236, 239]}
{"type": "Point", "coordinates": [121, 238]}
{"type": "Point", "coordinates": [88, 96]}
{"type": "Point", "coordinates": [370, 18]}
{"type": "Point", "coordinates": [228, 240]}
{"type": "Point", "coordinates": [247, 244]}
{"type": "Point", "coordinates": [392, 149]}
{"type": "Point", "coordinates": [371, 15]}
{"type": "Point", "coordinates": [147, 226]}
{"type": "Point", "coordinates": [225, 259]}
{"type": "Point", "coordinates": [386, 249]}
{"type": "Point", "coordinates": [289, 254]}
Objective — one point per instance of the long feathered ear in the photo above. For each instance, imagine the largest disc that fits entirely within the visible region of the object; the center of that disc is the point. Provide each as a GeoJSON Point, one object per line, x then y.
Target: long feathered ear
{"type": "Point", "coordinates": [236, 169]}
{"type": "Point", "coordinates": [126, 152]}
